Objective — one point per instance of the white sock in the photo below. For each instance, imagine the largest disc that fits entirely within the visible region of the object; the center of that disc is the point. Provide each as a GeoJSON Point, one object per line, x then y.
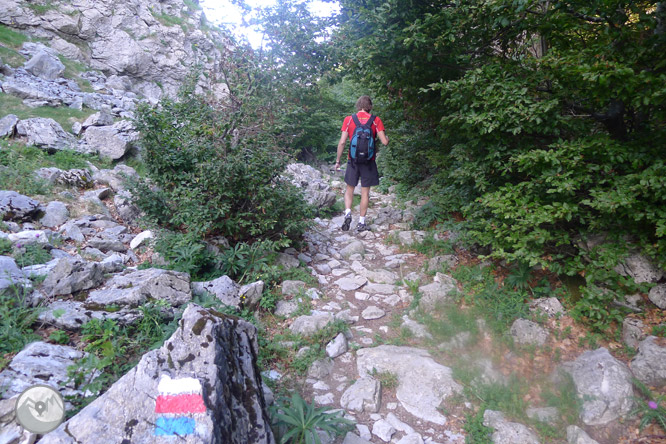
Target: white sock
{"type": "Point", "coordinates": [361, 219]}
{"type": "Point", "coordinates": [347, 211]}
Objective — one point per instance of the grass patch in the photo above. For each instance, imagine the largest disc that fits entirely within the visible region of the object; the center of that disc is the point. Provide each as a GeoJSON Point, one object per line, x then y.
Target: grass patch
{"type": "Point", "coordinates": [16, 320]}
{"type": "Point", "coordinates": [10, 42]}
{"type": "Point", "coordinates": [388, 380]}
{"type": "Point", "coordinates": [64, 115]}
{"type": "Point", "coordinates": [41, 8]}
{"type": "Point", "coordinates": [446, 321]}
{"type": "Point", "coordinates": [168, 20]}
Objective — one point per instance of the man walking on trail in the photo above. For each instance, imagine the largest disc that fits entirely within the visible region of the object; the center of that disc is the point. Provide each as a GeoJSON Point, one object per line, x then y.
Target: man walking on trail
{"type": "Point", "coordinates": [358, 167]}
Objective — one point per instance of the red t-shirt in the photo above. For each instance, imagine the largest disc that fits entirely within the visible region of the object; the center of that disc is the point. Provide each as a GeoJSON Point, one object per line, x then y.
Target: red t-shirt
{"type": "Point", "coordinates": [349, 126]}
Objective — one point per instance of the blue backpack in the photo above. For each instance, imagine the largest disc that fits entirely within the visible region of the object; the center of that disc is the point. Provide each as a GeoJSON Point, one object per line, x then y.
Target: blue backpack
{"type": "Point", "coordinates": [362, 142]}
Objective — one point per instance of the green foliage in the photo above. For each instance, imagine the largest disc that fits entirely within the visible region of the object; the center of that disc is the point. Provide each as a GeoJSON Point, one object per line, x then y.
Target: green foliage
{"type": "Point", "coordinates": [216, 171]}
{"type": "Point", "coordinates": [477, 433]}
{"type": "Point", "coordinates": [16, 320]}
{"type": "Point", "coordinates": [41, 8]}
{"type": "Point", "coordinates": [388, 380]}
{"type": "Point", "coordinates": [64, 115]}
{"type": "Point", "coordinates": [565, 397]}
{"type": "Point", "coordinates": [649, 407]}
{"type": "Point", "coordinates": [59, 337]}
{"type": "Point", "coordinates": [184, 252]}
{"type": "Point", "coordinates": [297, 421]}
{"type": "Point", "coordinates": [5, 246]}
{"type": "Point", "coordinates": [32, 254]}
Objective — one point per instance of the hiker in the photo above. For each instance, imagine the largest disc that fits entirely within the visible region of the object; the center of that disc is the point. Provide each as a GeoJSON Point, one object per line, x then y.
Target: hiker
{"type": "Point", "coordinates": [361, 158]}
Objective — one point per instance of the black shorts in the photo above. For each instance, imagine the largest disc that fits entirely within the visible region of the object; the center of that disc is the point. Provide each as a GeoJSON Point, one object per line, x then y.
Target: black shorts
{"type": "Point", "coordinates": [367, 172]}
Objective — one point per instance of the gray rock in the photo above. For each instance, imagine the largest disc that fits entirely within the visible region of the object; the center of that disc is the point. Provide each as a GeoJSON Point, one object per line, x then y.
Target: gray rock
{"type": "Point", "coordinates": [640, 268]}
{"type": "Point", "coordinates": [632, 331]}
{"type": "Point", "coordinates": [422, 383]}
{"type": "Point", "coordinates": [71, 231]}
{"type": "Point", "coordinates": [78, 178]}
{"type": "Point", "coordinates": [55, 214]}
{"type": "Point", "coordinates": [604, 384]}
{"type": "Point", "coordinates": [115, 178]}
{"type": "Point", "coordinates": [657, 295]}
{"type": "Point", "coordinates": [551, 307]}
{"type": "Point", "coordinates": [576, 435]}
{"type": "Point", "coordinates": [309, 325]}
{"type": "Point", "coordinates": [127, 211]}
{"type": "Point", "coordinates": [292, 288]}
{"type": "Point", "coordinates": [102, 118]}
{"type": "Point", "coordinates": [372, 312]}
{"type": "Point", "coordinates": [45, 133]}
{"type": "Point", "coordinates": [351, 283]}
{"type": "Point", "coordinates": [209, 355]}
{"type": "Point", "coordinates": [316, 190]}
{"type": "Point", "coordinates": [336, 346]}
{"type": "Point", "coordinates": [39, 270]}
{"type": "Point", "coordinates": [412, 438]}
{"type": "Point", "coordinates": [354, 247]}
{"type": "Point", "coordinates": [399, 425]}
{"type": "Point", "coordinates": [223, 288]}
{"type": "Point", "coordinates": [416, 329]}
{"type": "Point", "coordinates": [107, 141]}
{"type": "Point", "coordinates": [72, 315]}
{"type": "Point", "coordinates": [107, 243]}
{"type": "Point", "coordinates": [285, 308]}
{"type": "Point", "coordinates": [528, 333]}
{"type": "Point", "coordinates": [12, 279]}
{"type": "Point", "coordinates": [135, 288]}
{"type": "Point", "coordinates": [8, 125]}
{"type": "Point", "coordinates": [287, 261]}
{"type": "Point", "coordinates": [72, 275]}
{"type": "Point", "coordinates": [250, 294]}
{"type": "Point", "coordinates": [649, 365]}
{"type": "Point", "coordinates": [436, 263]}
{"type": "Point", "coordinates": [437, 293]}
{"type": "Point", "coordinates": [508, 432]}
{"type": "Point", "coordinates": [41, 363]}
{"type": "Point", "coordinates": [45, 66]}
{"type": "Point", "coordinates": [364, 395]}
{"type": "Point", "coordinates": [17, 207]}
{"type": "Point", "coordinates": [407, 238]}
{"type": "Point", "coordinates": [375, 275]}
{"type": "Point", "coordinates": [383, 430]}
{"type": "Point", "coordinates": [548, 415]}
{"type": "Point", "coordinates": [321, 368]}
{"type": "Point", "coordinates": [351, 438]}
{"type": "Point", "coordinates": [140, 239]}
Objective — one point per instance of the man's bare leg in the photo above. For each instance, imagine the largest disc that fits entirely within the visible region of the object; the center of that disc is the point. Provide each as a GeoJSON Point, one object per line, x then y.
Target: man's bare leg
{"type": "Point", "coordinates": [349, 200]}
{"type": "Point", "coordinates": [365, 200]}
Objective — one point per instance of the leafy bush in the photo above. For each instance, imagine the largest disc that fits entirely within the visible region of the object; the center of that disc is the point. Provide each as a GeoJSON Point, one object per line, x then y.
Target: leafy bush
{"type": "Point", "coordinates": [297, 421]}
{"type": "Point", "coordinates": [16, 320]}
{"type": "Point", "coordinates": [32, 254]}
{"type": "Point", "coordinates": [216, 171]}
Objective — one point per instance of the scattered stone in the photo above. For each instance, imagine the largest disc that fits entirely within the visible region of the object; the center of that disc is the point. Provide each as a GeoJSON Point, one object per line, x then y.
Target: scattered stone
{"type": "Point", "coordinates": [223, 288]}
{"type": "Point", "coordinates": [110, 142]}
{"type": "Point", "coordinates": [657, 295]}
{"type": "Point", "coordinates": [12, 279]}
{"type": "Point", "coordinates": [292, 288]}
{"type": "Point", "coordinates": [136, 288]}
{"type": "Point", "coordinates": [604, 384]}
{"type": "Point", "coordinates": [372, 312]}
{"type": "Point", "coordinates": [77, 178]}
{"type": "Point", "coordinates": [419, 396]}
{"type": "Point", "coordinates": [101, 118]}
{"type": "Point", "coordinates": [346, 316]}
{"type": "Point", "coordinates": [316, 190]}
{"type": "Point", "coordinates": [361, 296]}
{"type": "Point", "coordinates": [8, 125]}
{"type": "Point", "coordinates": [351, 284]}
{"type": "Point", "coordinates": [551, 307]}
{"type": "Point", "coordinates": [45, 66]}
{"type": "Point", "coordinates": [362, 396]}
{"type": "Point", "coordinates": [436, 263]}
{"type": "Point", "coordinates": [437, 293]}
{"type": "Point", "coordinates": [399, 425]}
{"type": "Point", "coordinates": [250, 294]}
{"type": "Point", "coordinates": [640, 268]}
{"type": "Point", "coordinates": [17, 207]}
{"type": "Point", "coordinates": [285, 308]}
{"type": "Point", "coordinates": [337, 346]}
{"type": "Point", "coordinates": [508, 432]}
{"type": "Point", "coordinates": [632, 331]}
{"type": "Point", "coordinates": [212, 355]}
{"type": "Point", "coordinates": [379, 275]}
{"type": "Point", "coordinates": [41, 363]}
{"type": "Point", "coordinates": [412, 438]}
{"type": "Point", "coordinates": [309, 325]}
{"type": "Point", "coordinates": [326, 399]}
{"type": "Point", "coordinates": [649, 365]}
{"type": "Point", "coordinates": [56, 214]}
{"type": "Point", "coordinates": [320, 368]}
{"type": "Point", "coordinates": [383, 430]}
{"type": "Point", "coordinates": [354, 247]}
{"type": "Point", "coordinates": [287, 261]}
{"type": "Point", "coordinates": [576, 435]}
{"type": "Point", "coordinates": [71, 275]}
{"type": "Point", "coordinates": [351, 438]}
{"type": "Point", "coordinates": [364, 431]}
{"type": "Point", "coordinates": [409, 237]}
{"type": "Point", "coordinates": [549, 415]}
{"type": "Point", "coordinates": [416, 329]}
{"type": "Point", "coordinates": [46, 133]}
{"type": "Point", "coordinates": [528, 333]}
{"type": "Point", "coordinates": [140, 239]}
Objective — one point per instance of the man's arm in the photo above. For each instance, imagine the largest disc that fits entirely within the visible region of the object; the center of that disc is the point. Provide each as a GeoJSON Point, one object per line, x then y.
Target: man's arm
{"type": "Point", "coordinates": [383, 138]}
{"type": "Point", "coordinates": [341, 148]}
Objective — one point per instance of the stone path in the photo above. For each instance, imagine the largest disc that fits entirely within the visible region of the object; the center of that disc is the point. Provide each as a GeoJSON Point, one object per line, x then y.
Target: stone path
{"type": "Point", "coordinates": [362, 281]}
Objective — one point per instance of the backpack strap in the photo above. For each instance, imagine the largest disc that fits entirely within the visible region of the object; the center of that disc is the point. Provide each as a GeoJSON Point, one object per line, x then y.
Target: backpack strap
{"type": "Point", "coordinates": [367, 124]}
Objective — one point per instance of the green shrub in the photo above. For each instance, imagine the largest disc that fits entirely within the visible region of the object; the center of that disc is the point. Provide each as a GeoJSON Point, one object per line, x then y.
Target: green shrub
{"type": "Point", "coordinates": [32, 254]}
{"type": "Point", "coordinates": [59, 337]}
{"type": "Point", "coordinates": [16, 320]}
{"type": "Point", "coordinates": [5, 246]}
{"type": "Point", "coordinates": [215, 173]}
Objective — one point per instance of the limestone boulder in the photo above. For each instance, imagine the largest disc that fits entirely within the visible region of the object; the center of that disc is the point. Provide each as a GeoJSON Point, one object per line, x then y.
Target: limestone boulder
{"type": "Point", "coordinates": [17, 207]}
{"type": "Point", "coordinates": [45, 65]}
{"type": "Point", "coordinates": [71, 275]}
{"type": "Point", "coordinates": [8, 125]}
{"type": "Point", "coordinates": [223, 288]}
{"type": "Point", "coordinates": [649, 365]}
{"type": "Point", "coordinates": [209, 361]}
{"type": "Point", "coordinates": [508, 432]}
{"type": "Point", "coordinates": [364, 395]}
{"type": "Point", "coordinates": [526, 332]}
{"type": "Point", "coordinates": [45, 133]}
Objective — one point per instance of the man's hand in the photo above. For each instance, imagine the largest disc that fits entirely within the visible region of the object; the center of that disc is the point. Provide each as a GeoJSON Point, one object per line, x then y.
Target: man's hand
{"type": "Point", "coordinates": [337, 165]}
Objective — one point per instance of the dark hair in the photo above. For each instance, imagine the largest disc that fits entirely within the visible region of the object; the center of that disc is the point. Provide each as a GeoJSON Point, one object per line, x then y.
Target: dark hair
{"type": "Point", "coordinates": [364, 103]}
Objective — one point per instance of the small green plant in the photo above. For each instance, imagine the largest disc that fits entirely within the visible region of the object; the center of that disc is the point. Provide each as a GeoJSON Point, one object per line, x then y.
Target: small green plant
{"type": "Point", "coordinates": [16, 320]}
{"type": "Point", "coordinates": [519, 277]}
{"type": "Point", "coordinates": [387, 379]}
{"type": "Point", "coordinates": [31, 254]}
{"type": "Point", "coordinates": [5, 246]}
{"type": "Point", "coordinates": [297, 421]}
{"type": "Point", "coordinates": [659, 330]}
{"type": "Point", "coordinates": [649, 407]}
{"type": "Point", "coordinates": [41, 8]}
{"type": "Point", "coordinates": [59, 337]}
{"type": "Point", "coordinates": [477, 433]}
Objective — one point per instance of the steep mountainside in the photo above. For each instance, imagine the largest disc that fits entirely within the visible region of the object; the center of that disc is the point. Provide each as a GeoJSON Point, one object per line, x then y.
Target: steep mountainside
{"type": "Point", "coordinates": [146, 47]}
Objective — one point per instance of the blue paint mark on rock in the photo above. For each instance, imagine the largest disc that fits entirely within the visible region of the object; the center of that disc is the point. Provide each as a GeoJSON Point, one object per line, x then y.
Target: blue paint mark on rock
{"type": "Point", "coordinates": [176, 426]}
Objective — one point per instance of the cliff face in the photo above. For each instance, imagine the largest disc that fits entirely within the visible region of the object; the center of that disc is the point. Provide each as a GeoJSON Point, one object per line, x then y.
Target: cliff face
{"type": "Point", "coordinates": [146, 47]}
